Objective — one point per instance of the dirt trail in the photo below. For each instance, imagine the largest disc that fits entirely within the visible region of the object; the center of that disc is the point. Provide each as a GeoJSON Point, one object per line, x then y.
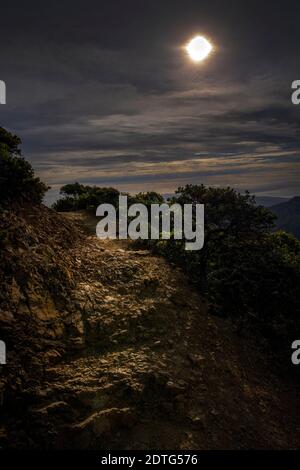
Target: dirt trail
{"type": "Point", "coordinates": [153, 369]}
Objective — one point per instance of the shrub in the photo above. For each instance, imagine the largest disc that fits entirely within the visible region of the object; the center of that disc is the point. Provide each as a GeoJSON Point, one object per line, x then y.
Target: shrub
{"type": "Point", "coordinates": [79, 197]}
{"type": "Point", "coordinates": [246, 271]}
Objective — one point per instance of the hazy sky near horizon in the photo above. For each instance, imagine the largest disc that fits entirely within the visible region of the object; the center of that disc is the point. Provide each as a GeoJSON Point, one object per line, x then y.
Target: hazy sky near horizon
{"type": "Point", "coordinates": [102, 92]}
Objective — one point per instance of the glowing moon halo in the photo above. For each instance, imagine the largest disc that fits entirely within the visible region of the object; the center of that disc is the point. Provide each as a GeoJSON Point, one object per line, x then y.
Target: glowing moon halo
{"type": "Point", "coordinates": [198, 48]}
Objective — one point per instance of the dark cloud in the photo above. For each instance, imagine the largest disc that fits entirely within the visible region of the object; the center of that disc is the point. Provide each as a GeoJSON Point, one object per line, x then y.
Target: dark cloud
{"type": "Point", "coordinates": [102, 92]}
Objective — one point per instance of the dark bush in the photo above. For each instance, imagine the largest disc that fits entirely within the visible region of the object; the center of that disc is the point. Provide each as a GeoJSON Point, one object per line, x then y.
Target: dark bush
{"type": "Point", "coordinates": [80, 197]}
{"type": "Point", "coordinates": [17, 180]}
{"type": "Point", "coordinates": [246, 271]}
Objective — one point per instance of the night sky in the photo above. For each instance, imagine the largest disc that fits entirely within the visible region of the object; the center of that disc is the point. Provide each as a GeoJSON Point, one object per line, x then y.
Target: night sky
{"type": "Point", "coordinates": [102, 92]}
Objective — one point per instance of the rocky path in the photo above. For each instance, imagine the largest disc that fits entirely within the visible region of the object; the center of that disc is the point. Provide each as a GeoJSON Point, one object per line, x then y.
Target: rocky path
{"type": "Point", "coordinates": [152, 369]}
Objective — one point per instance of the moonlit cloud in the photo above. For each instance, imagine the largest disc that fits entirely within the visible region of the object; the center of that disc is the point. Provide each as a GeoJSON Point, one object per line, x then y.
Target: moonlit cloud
{"type": "Point", "coordinates": [116, 102]}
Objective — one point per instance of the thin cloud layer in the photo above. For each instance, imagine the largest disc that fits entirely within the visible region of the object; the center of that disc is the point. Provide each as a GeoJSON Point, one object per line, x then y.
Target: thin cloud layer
{"type": "Point", "coordinates": [107, 96]}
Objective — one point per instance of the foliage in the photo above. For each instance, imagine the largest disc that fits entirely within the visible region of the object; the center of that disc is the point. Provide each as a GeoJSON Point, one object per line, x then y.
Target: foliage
{"type": "Point", "coordinates": [77, 196]}
{"type": "Point", "coordinates": [80, 197]}
{"type": "Point", "coordinates": [245, 270]}
{"type": "Point", "coordinates": [288, 216]}
{"type": "Point", "coordinates": [146, 198]}
{"type": "Point", "coordinates": [17, 180]}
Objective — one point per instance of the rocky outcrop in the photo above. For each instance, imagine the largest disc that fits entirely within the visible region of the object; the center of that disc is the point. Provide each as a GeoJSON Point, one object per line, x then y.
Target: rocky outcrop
{"type": "Point", "coordinates": [37, 322]}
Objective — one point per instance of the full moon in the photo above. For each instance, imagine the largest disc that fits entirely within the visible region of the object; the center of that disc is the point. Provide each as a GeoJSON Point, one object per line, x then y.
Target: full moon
{"type": "Point", "coordinates": [198, 48]}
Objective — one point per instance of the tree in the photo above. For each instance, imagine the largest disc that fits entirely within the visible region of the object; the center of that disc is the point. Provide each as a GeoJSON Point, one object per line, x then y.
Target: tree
{"type": "Point", "coordinates": [73, 189]}
{"type": "Point", "coordinates": [17, 179]}
{"type": "Point", "coordinates": [231, 219]}
{"type": "Point", "coordinates": [244, 269]}
{"type": "Point", "coordinates": [79, 197]}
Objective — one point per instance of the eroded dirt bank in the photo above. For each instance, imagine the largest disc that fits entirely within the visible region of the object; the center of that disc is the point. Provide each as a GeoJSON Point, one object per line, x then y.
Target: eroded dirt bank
{"type": "Point", "coordinates": [138, 363]}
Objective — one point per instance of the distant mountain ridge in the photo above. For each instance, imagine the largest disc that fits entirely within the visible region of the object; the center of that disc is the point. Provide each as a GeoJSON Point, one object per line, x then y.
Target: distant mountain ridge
{"type": "Point", "coordinates": [288, 214]}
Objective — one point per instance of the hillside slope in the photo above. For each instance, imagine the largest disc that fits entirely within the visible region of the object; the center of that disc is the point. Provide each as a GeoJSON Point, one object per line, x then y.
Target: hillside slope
{"type": "Point", "coordinates": [130, 359]}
